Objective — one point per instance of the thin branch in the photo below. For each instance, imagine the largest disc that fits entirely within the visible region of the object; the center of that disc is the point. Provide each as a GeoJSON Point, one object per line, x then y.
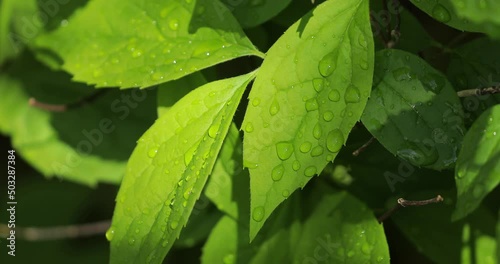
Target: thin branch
{"type": "Point", "coordinates": [65, 107]}
{"type": "Point", "coordinates": [362, 148]}
{"type": "Point", "coordinates": [479, 92]}
{"type": "Point", "coordinates": [404, 203]}
{"type": "Point", "coordinates": [57, 232]}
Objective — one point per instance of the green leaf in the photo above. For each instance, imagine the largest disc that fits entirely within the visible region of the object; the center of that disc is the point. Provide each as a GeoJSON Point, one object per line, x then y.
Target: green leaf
{"type": "Point", "coordinates": [87, 144]}
{"type": "Point", "coordinates": [171, 92]}
{"type": "Point", "coordinates": [428, 227]}
{"type": "Point", "coordinates": [301, 232]}
{"type": "Point", "coordinates": [141, 44]}
{"type": "Point", "coordinates": [311, 91]}
{"type": "Point", "coordinates": [251, 13]}
{"type": "Point", "coordinates": [228, 184]}
{"type": "Point", "coordinates": [444, 12]}
{"type": "Point", "coordinates": [483, 14]}
{"type": "Point", "coordinates": [413, 111]}
{"type": "Point", "coordinates": [168, 170]}
{"type": "Point", "coordinates": [475, 65]}
{"type": "Point", "coordinates": [478, 166]}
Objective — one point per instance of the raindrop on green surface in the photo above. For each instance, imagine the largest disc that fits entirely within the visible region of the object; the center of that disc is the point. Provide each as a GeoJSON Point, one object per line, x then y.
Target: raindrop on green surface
{"type": "Point", "coordinates": [256, 101]}
{"type": "Point", "coordinates": [328, 116]}
{"type": "Point", "coordinates": [285, 193]}
{"type": "Point", "coordinates": [296, 165]}
{"type": "Point", "coordinates": [311, 105]}
{"type": "Point", "coordinates": [316, 151]}
{"type": "Point", "coordinates": [310, 171]}
{"type": "Point", "coordinates": [305, 147]}
{"type": "Point", "coordinates": [352, 94]}
{"type": "Point", "coordinates": [110, 233]}
{"type": "Point", "coordinates": [334, 96]}
{"type": "Point", "coordinates": [174, 224]}
{"type": "Point", "coordinates": [274, 108]}
{"type": "Point", "coordinates": [213, 130]}
{"type": "Point", "coordinates": [440, 13]}
{"type": "Point", "coordinates": [284, 150]}
{"type": "Point", "coordinates": [402, 74]}
{"type": "Point", "coordinates": [327, 65]}
{"type": "Point", "coordinates": [335, 140]}
{"type": "Point", "coordinates": [152, 152]}
{"type": "Point", "coordinates": [173, 24]}
{"type": "Point", "coordinates": [258, 213]}
{"type": "Point", "coordinates": [318, 84]}
{"type": "Point", "coordinates": [278, 172]}
{"type": "Point", "coordinates": [249, 127]}
{"type": "Point", "coordinates": [317, 131]}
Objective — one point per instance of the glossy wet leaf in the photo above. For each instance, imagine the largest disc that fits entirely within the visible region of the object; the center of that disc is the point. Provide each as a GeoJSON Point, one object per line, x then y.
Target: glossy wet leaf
{"type": "Point", "coordinates": [88, 144]}
{"type": "Point", "coordinates": [478, 167]}
{"type": "Point", "coordinates": [168, 170]}
{"type": "Point", "coordinates": [444, 11]}
{"type": "Point", "coordinates": [475, 65]}
{"type": "Point", "coordinates": [141, 44]}
{"type": "Point", "coordinates": [328, 228]}
{"type": "Point", "coordinates": [311, 91]}
{"type": "Point", "coordinates": [484, 14]}
{"type": "Point", "coordinates": [413, 111]}
{"type": "Point", "coordinates": [428, 227]}
{"type": "Point", "coordinates": [251, 13]}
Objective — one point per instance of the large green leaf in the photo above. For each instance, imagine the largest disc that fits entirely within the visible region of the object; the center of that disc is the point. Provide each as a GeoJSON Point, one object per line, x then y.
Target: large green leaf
{"type": "Point", "coordinates": [251, 13]}
{"type": "Point", "coordinates": [444, 12]}
{"type": "Point", "coordinates": [413, 111]}
{"type": "Point", "coordinates": [475, 65]}
{"type": "Point", "coordinates": [311, 91]}
{"type": "Point", "coordinates": [168, 170]}
{"type": "Point", "coordinates": [478, 166]}
{"type": "Point", "coordinates": [171, 92]}
{"type": "Point", "coordinates": [87, 144]}
{"type": "Point", "coordinates": [327, 228]}
{"type": "Point", "coordinates": [140, 43]}
{"type": "Point", "coordinates": [484, 14]}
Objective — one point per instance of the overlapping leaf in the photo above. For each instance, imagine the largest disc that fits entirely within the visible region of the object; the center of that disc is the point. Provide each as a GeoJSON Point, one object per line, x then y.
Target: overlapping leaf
{"type": "Point", "coordinates": [330, 228]}
{"type": "Point", "coordinates": [311, 90]}
{"type": "Point", "coordinates": [478, 167]}
{"type": "Point", "coordinates": [484, 14]}
{"type": "Point", "coordinates": [413, 111]}
{"type": "Point", "coordinates": [168, 170]}
{"type": "Point", "coordinates": [251, 13]}
{"type": "Point", "coordinates": [171, 92]}
{"type": "Point", "coordinates": [141, 43]}
{"type": "Point", "coordinates": [87, 144]}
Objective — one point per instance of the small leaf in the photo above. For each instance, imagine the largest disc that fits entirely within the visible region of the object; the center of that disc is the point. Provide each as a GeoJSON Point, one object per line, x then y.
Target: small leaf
{"type": "Point", "coordinates": [251, 13]}
{"type": "Point", "coordinates": [413, 111]}
{"type": "Point", "coordinates": [478, 166]}
{"type": "Point", "coordinates": [141, 44]}
{"type": "Point", "coordinates": [311, 91]}
{"type": "Point", "coordinates": [168, 170]}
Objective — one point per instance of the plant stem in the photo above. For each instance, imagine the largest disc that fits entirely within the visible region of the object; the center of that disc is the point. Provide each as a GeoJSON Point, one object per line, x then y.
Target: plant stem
{"type": "Point", "coordinates": [404, 203]}
{"type": "Point", "coordinates": [362, 148]}
{"type": "Point", "coordinates": [64, 107]}
{"type": "Point", "coordinates": [479, 92]}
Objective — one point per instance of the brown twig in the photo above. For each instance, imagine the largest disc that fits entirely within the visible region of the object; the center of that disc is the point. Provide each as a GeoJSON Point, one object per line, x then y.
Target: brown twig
{"type": "Point", "coordinates": [362, 148]}
{"type": "Point", "coordinates": [57, 232]}
{"type": "Point", "coordinates": [479, 92]}
{"type": "Point", "coordinates": [404, 203]}
{"type": "Point", "coordinates": [65, 107]}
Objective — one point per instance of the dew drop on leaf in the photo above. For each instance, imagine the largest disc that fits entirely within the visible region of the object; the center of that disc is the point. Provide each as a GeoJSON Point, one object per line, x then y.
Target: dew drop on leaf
{"type": "Point", "coordinates": [334, 96]}
{"type": "Point", "coordinates": [316, 151]}
{"type": "Point", "coordinates": [258, 213]}
{"type": "Point", "coordinates": [352, 94]}
{"type": "Point", "coordinates": [335, 140]}
{"type": "Point", "coordinates": [317, 131]}
{"type": "Point", "coordinates": [310, 171]}
{"type": "Point", "coordinates": [296, 165]}
{"type": "Point", "coordinates": [249, 127]}
{"type": "Point", "coordinates": [274, 108]}
{"type": "Point", "coordinates": [284, 150]}
{"type": "Point", "coordinates": [256, 101]}
{"type": "Point", "coordinates": [173, 24]}
{"type": "Point", "coordinates": [402, 74]}
{"type": "Point", "coordinates": [110, 233]}
{"type": "Point", "coordinates": [152, 152]}
{"type": "Point", "coordinates": [285, 193]}
{"type": "Point", "coordinates": [228, 259]}
{"type": "Point", "coordinates": [440, 13]}
{"type": "Point", "coordinates": [278, 172]}
{"type": "Point", "coordinates": [328, 116]}
{"type": "Point", "coordinates": [318, 84]}
{"type": "Point", "coordinates": [174, 224]}
{"type": "Point", "coordinates": [311, 105]}
{"type": "Point", "coordinates": [305, 147]}
{"type": "Point", "coordinates": [131, 241]}
{"type": "Point", "coordinates": [327, 65]}
{"type": "Point", "coordinates": [213, 130]}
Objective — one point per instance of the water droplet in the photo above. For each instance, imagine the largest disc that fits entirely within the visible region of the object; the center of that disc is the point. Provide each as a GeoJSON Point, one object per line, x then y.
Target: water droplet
{"type": "Point", "coordinates": [433, 82]}
{"type": "Point", "coordinates": [278, 172]}
{"type": "Point", "coordinates": [156, 76]}
{"type": "Point", "coordinates": [363, 64]}
{"type": "Point", "coordinates": [258, 213]}
{"type": "Point", "coordinates": [328, 116]}
{"type": "Point", "coordinates": [152, 152]}
{"type": "Point", "coordinates": [317, 131]}
{"type": "Point", "coordinates": [285, 193]}
{"type": "Point", "coordinates": [284, 150]}
{"type": "Point", "coordinates": [296, 165]}
{"type": "Point", "coordinates": [256, 101]}
{"type": "Point", "coordinates": [362, 41]}
{"type": "Point", "coordinates": [310, 171]}
{"type": "Point", "coordinates": [173, 24]}
{"type": "Point", "coordinates": [402, 74]}
{"type": "Point", "coordinates": [228, 259]}
{"type": "Point", "coordinates": [274, 108]}
{"type": "Point", "coordinates": [316, 151]}
{"type": "Point", "coordinates": [335, 140]}
{"type": "Point", "coordinates": [305, 147]}
{"type": "Point", "coordinates": [137, 53]}
{"type": "Point", "coordinates": [440, 13]}
{"type": "Point", "coordinates": [352, 94]}
{"type": "Point", "coordinates": [318, 84]}
{"type": "Point", "coordinates": [131, 241]}
{"type": "Point", "coordinates": [174, 224]}
{"type": "Point", "coordinates": [334, 96]}
{"type": "Point", "coordinates": [365, 248]}
{"type": "Point", "coordinates": [327, 65]}
{"type": "Point", "coordinates": [110, 233]}
{"type": "Point", "coordinates": [249, 127]}
{"type": "Point", "coordinates": [213, 130]}
{"type": "Point", "coordinates": [311, 105]}
{"type": "Point", "coordinates": [164, 13]}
